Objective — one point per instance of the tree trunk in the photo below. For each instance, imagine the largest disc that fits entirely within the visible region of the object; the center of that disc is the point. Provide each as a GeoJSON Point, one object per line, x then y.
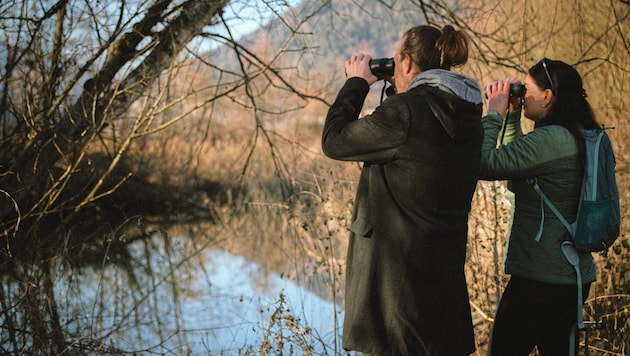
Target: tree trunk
{"type": "Point", "coordinates": [40, 172]}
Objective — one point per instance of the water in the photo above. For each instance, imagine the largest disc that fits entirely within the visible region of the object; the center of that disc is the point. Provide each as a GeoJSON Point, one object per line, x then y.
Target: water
{"type": "Point", "coordinates": [172, 297]}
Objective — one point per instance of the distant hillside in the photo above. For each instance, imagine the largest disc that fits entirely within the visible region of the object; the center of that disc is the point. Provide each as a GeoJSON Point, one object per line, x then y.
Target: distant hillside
{"type": "Point", "coordinates": [341, 28]}
{"type": "Point", "coordinates": [314, 57]}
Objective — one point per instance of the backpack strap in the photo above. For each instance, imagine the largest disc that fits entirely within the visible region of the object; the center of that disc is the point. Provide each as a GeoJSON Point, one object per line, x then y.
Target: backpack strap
{"type": "Point", "coordinates": [568, 248]}
{"type": "Point", "coordinates": [570, 227]}
{"type": "Point", "coordinates": [571, 254]}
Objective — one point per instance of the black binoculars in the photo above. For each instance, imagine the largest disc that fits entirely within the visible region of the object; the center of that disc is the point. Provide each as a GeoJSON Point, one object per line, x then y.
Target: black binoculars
{"type": "Point", "coordinates": [517, 90]}
{"type": "Point", "coordinates": [382, 66]}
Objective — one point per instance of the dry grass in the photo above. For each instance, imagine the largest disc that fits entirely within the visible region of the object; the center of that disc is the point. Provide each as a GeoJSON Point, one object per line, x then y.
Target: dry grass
{"type": "Point", "coordinates": [298, 212]}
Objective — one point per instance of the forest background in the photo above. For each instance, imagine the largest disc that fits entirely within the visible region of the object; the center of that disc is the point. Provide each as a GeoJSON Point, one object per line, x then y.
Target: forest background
{"type": "Point", "coordinates": [134, 122]}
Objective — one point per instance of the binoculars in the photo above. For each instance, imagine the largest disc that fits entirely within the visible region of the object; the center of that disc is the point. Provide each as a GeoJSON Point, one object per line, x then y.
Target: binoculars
{"type": "Point", "coordinates": [382, 66]}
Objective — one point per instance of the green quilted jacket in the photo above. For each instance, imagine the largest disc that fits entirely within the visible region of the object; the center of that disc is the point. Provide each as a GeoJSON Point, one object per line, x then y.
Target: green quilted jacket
{"type": "Point", "coordinates": [549, 153]}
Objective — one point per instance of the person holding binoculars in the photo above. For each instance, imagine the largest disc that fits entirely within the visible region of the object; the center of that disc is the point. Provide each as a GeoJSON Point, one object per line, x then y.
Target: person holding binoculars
{"type": "Point", "coordinates": [406, 291]}
{"type": "Point", "coordinates": [538, 306]}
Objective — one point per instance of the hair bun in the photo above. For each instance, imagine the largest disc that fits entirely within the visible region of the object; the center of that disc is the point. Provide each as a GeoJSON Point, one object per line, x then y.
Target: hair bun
{"type": "Point", "coordinates": [447, 30]}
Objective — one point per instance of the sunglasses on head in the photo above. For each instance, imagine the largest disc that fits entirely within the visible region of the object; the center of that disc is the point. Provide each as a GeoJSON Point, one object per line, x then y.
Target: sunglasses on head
{"type": "Point", "coordinates": [543, 61]}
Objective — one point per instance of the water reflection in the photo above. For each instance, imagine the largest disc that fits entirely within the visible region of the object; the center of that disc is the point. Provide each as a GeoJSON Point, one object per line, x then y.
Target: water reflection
{"type": "Point", "coordinates": [175, 297]}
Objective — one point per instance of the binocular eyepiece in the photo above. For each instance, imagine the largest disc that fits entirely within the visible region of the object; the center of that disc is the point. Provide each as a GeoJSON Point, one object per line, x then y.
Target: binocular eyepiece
{"type": "Point", "coordinates": [517, 90]}
{"type": "Point", "coordinates": [382, 66]}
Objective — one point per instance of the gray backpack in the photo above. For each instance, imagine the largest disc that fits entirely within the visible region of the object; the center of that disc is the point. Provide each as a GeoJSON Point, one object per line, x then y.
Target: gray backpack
{"type": "Point", "coordinates": [598, 218]}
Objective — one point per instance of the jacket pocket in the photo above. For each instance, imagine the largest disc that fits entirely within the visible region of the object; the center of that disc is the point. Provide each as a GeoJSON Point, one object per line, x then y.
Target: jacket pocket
{"type": "Point", "coordinates": [362, 227]}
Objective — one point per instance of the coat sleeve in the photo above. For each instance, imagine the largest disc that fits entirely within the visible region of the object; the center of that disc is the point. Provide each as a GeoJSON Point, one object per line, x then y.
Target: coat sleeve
{"type": "Point", "coordinates": [521, 157]}
{"type": "Point", "coordinates": [513, 128]}
{"type": "Point", "coordinates": [375, 138]}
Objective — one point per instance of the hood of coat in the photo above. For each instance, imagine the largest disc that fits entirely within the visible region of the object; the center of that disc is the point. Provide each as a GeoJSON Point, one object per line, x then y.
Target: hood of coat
{"type": "Point", "coordinates": [453, 83]}
{"type": "Point", "coordinates": [454, 99]}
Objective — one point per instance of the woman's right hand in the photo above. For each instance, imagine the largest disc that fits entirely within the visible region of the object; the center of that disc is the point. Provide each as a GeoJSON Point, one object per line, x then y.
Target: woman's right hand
{"type": "Point", "coordinates": [498, 93]}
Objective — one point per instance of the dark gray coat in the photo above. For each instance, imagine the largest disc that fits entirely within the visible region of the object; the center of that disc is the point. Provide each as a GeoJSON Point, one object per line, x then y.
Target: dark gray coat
{"type": "Point", "coordinates": [405, 287]}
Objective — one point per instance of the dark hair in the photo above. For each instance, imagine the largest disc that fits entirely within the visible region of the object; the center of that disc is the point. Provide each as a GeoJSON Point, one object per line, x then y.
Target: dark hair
{"type": "Point", "coordinates": [431, 48]}
{"type": "Point", "coordinates": [569, 107]}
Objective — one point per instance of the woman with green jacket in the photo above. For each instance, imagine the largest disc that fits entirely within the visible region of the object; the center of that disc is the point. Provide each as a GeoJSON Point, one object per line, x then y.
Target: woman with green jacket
{"type": "Point", "coordinates": [538, 306]}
